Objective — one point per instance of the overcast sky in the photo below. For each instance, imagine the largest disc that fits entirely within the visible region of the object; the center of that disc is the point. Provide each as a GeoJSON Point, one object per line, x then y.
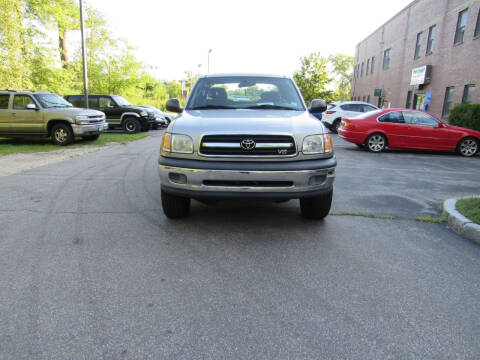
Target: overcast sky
{"type": "Point", "coordinates": [267, 36]}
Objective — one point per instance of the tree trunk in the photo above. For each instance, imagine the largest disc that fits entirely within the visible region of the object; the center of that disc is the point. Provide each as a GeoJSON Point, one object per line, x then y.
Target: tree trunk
{"type": "Point", "coordinates": [62, 43]}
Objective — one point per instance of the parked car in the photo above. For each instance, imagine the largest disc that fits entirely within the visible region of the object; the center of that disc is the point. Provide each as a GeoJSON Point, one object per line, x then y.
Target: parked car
{"type": "Point", "coordinates": [264, 144]}
{"type": "Point", "coordinates": [408, 129]}
{"type": "Point", "coordinates": [160, 118]}
{"type": "Point", "coordinates": [120, 114]}
{"type": "Point", "coordinates": [338, 110]}
{"type": "Point", "coordinates": [45, 114]}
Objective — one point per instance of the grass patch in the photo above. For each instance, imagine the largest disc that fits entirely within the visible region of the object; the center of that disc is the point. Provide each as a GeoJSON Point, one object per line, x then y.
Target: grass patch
{"type": "Point", "coordinates": [391, 217]}
{"type": "Point", "coordinates": [31, 145]}
{"type": "Point", "coordinates": [470, 208]}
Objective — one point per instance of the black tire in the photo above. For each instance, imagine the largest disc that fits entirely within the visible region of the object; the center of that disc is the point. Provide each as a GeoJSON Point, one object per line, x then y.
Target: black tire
{"type": "Point", "coordinates": [131, 125]}
{"type": "Point", "coordinates": [91, 137]}
{"type": "Point", "coordinates": [62, 134]}
{"type": "Point", "coordinates": [467, 147]}
{"type": "Point", "coordinates": [316, 207]}
{"type": "Point", "coordinates": [376, 143]}
{"type": "Point", "coordinates": [335, 126]}
{"type": "Point", "coordinates": [175, 207]}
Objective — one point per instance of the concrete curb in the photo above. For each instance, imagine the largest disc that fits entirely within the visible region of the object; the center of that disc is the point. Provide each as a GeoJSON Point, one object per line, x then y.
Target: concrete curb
{"type": "Point", "coordinates": [460, 223]}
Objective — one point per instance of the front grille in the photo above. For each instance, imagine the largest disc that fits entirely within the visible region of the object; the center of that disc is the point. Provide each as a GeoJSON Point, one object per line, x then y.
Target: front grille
{"type": "Point", "coordinates": [236, 183]}
{"type": "Point", "coordinates": [230, 145]}
{"type": "Point", "coordinates": [95, 119]}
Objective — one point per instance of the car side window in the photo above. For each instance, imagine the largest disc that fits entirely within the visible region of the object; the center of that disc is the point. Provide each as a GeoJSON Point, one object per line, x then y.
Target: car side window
{"type": "Point", "coordinates": [4, 101]}
{"type": "Point", "coordinates": [418, 118]}
{"type": "Point", "coordinates": [395, 117]}
{"type": "Point", "coordinates": [93, 101]}
{"type": "Point", "coordinates": [346, 107]}
{"type": "Point", "coordinates": [20, 102]}
{"type": "Point", "coordinates": [356, 107]}
{"type": "Point", "coordinates": [367, 108]}
{"type": "Point", "coordinates": [105, 102]}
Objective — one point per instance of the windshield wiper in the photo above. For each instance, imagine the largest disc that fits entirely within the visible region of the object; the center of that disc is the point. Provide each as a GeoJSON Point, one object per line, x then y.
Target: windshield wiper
{"type": "Point", "coordinates": [270, 106]}
{"type": "Point", "coordinates": [212, 107]}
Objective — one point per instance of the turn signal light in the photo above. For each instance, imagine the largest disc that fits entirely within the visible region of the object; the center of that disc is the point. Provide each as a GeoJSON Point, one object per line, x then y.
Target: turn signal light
{"type": "Point", "coordinates": [167, 142]}
{"type": "Point", "coordinates": [328, 143]}
{"type": "Point", "coordinates": [346, 124]}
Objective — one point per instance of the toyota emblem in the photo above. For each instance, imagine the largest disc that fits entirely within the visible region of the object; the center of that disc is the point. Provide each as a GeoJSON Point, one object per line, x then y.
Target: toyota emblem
{"type": "Point", "coordinates": [247, 144]}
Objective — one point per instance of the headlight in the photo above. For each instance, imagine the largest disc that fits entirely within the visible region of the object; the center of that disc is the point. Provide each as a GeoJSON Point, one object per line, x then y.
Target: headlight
{"type": "Point", "coordinates": [317, 144]}
{"type": "Point", "coordinates": [81, 119]}
{"type": "Point", "coordinates": [177, 143]}
{"type": "Point", "coordinates": [143, 113]}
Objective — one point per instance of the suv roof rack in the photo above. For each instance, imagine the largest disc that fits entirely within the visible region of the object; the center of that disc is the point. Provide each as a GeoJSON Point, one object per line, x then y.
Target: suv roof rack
{"type": "Point", "coordinates": [25, 90]}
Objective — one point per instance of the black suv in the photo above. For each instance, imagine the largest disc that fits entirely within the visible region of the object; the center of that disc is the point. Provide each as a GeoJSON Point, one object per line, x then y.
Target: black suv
{"type": "Point", "coordinates": [118, 111]}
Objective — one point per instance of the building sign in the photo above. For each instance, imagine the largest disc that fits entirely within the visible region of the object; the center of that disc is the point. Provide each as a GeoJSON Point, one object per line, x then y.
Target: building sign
{"type": "Point", "coordinates": [421, 75]}
{"type": "Point", "coordinates": [377, 92]}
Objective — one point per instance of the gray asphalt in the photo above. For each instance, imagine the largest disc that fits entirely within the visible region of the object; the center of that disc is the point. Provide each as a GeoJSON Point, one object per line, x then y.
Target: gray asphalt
{"type": "Point", "coordinates": [91, 269]}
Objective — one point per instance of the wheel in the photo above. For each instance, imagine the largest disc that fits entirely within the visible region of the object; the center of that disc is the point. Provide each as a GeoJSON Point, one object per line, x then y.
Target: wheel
{"type": "Point", "coordinates": [91, 137]}
{"type": "Point", "coordinates": [316, 207]}
{"type": "Point", "coordinates": [62, 134]}
{"type": "Point", "coordinates": [335, 126]}
{"type": "Point", "coordinates": [131, 125]}
{"type": "Point", "coordinates": [155, 127]}
{"type": "Point", "coordinates": [467, 147]}
{"type": "Point", "coordinates": [175, 207]}
{"type": "Point", "coordinates": [376, 143]}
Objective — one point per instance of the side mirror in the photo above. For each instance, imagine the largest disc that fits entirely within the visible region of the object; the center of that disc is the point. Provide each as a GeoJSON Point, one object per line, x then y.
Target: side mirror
{"type": "Point", "coordinates": [441, 124]}
{"type": "Point", "coordinates": [318, 105]}
{"type": "Point", "coordinates": [31, 107]}
{"type": "Point", "coordinates": [173, 105]}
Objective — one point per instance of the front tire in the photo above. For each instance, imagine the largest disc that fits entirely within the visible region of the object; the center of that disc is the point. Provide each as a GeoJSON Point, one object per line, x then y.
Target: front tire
{"type": "Point", "coordinates": [467, 147]}
{"type": "Point", "coordinates": [316, 207]}
{"type": "Point", "coordinates": [131, 125]}
{"type": "Point", "coordinates": [62, 134]}
{"type": "Point", "coordinates": [376, 143]}
{"type": "Point", "coordinates": [335, 126]}
{"type": "Point", "coordinates": [175, 207]}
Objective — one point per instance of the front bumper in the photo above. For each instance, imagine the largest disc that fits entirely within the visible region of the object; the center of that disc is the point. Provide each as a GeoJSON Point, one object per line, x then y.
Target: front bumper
{"type": "Point", "coordinates": [90, 129]}
{"type": "Point", "coordinates": [276, 180]}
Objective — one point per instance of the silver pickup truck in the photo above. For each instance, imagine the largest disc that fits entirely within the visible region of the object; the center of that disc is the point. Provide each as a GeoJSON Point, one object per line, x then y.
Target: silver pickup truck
{"type": "Point", "coordinates": [246, 136]}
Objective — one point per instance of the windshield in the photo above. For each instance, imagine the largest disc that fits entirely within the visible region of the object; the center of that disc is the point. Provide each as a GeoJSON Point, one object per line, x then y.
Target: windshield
{"type": "Point", "coordinates": [121, 101]}
{"type": "Point", "coordinates": [245, 92]}
{"type": "Point", "coordinates": [367, 114]}
{"type": "Point", "coordinates": [52, 100]}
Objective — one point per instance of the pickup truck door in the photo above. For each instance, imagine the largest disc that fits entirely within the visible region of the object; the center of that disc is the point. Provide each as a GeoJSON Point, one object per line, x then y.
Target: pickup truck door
{"type": "Point", "coordinates": [24, 120]}
{"type": "Point", "coordinates": [4, 114]}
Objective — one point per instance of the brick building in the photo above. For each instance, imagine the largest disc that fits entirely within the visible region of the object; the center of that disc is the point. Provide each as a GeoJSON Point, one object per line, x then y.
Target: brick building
{"type": "Point", "coordinates": [425, 57]}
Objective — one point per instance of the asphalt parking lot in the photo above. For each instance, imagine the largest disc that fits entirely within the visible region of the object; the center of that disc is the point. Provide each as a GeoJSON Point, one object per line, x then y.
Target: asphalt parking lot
{"type": "Point", "coordinates": [90, 268]}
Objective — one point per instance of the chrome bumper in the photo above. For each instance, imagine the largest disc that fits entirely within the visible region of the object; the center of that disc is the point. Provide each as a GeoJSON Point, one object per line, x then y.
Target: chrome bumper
{"type": "Point", "coordinates": [90, 129]}
{"type": "Point", "coordinates": [290, 184]}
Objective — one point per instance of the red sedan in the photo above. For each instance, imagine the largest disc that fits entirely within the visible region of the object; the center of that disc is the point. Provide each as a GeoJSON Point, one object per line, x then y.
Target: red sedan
{"type": "Point", "coordinates": [407, 129]}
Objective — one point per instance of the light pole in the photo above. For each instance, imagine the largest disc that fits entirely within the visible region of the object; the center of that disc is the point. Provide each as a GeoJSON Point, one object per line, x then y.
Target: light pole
{"type": "Point", "coordinates": [199, 66]}
{"type": "Point", "coordinates": [208, 66]}
{"type": "Point", "coordinates": [84, 56]}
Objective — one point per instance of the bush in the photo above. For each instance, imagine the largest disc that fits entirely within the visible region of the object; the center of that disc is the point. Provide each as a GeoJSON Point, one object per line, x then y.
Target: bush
{"type": "Point", "coordinates": [466, 115]}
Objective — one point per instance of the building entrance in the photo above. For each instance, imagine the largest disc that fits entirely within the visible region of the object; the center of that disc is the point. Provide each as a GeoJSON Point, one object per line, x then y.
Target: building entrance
{"type": "Point", "coordinates": [419, 101]}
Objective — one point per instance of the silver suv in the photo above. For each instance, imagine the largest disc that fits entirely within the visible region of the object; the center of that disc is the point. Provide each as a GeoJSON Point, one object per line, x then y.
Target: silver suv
{"type": "Point", "coordinates": [246, 136]}
{"type": "Point", "coordinates": [40, 113]}
{"type": "Point", "coordinates": [343, 109]}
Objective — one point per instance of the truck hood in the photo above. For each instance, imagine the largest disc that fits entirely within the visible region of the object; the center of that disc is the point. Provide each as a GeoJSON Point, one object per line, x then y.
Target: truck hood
{"type": "Point", "coordinates": [74, 111]}
{"type": "Point", "coordinates": [247, 121]}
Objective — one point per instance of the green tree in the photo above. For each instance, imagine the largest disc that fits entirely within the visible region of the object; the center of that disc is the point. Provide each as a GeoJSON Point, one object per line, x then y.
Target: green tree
{"type": "Point", "coordinates": [63, 14]}
{"type": "Point", "coordinates": [313, 79]}
{"type": "Point", "coordinates": [343, 69]}
{"type": "Point", "coordinates": [14, 46]}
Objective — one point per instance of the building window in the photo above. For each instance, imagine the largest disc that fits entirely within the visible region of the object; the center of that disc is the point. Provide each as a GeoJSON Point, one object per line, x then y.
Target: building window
{"type": "Point", "coordinates": [386, 59]}
{"type": "Point", "coordinates": [477, 27]}
{"type": "Point", "coordinates": [431, 38]}
{"type": "Point", "coordinates": [368, 99]}
{"type": "Point", "coordinates": [368, 67]}
{"type": "Point", "coordinates": [372, 65]}
{"type": "Point", "coordinates": [408, 104]}
{"type": "Point", "coordinates": [361, 71]}
{"type": "Point", "coordinates": [461, 25]}
{"type": "Point", "coordinates": [468, 91]}
{"type": "Point", "coordinates": [418, 45]}
{"type": "Point", "coordinates": [447, 103]}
